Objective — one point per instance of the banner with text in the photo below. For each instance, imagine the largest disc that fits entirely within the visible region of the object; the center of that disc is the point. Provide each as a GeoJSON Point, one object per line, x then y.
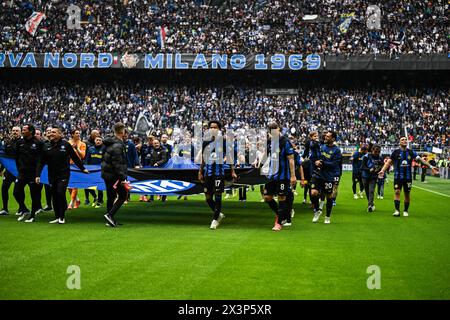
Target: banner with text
{"type": "Point", "coordinates": [161, 61]}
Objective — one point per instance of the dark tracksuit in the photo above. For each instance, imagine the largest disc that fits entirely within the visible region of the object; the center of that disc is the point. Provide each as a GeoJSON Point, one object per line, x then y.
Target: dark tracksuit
{"type": "Point", "coordinates": [27, 153]}
{"type": "Point", "coordinates": [371, 166]}
{"type": "Point", "coordinates": [94, 156]}
{"type": "Point", "coordinates": [169, 150]}
{"type": "Point", "coordinates": [48, 190]}
{"type": "Point", "coordinates": [157, 157]}
{"type": "Point", "coordinates": [132, 155]}
{"type": "Point", "coordinates": [146, 151]}
{"type": "Point", "coordinates": [56, 156]}
{"type": "Point", "coordinates": [114, 170]}
{"type": "Point", "coordinates": [356, 160]}
{"type": "Point", "coordinates": [307, 173]}
{"type": "Point", "coordinates": [423, 172]}
{"type": "Point", "coordinates": [8, 177]}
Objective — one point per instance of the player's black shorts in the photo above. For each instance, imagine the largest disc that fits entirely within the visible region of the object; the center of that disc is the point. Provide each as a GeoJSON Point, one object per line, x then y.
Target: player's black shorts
{"type": "Point", "coordinates": [357, 176]}
{"type": "Point", "coordinates": [214, 184]}
{"type": "Point", "coordinates": [406, 184]}
{"type": "Point", "coordinates": [277, 187]}
{"type": "Point", "coordinates": [322, 185]}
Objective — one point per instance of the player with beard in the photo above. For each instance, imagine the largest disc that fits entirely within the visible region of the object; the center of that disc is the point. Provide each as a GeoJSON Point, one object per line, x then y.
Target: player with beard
{"type": "Point", "coordinates": [281, 174]}
{"type": "Point", "coordinates": [401, 159]}
{"type": "Point", "coordinates": [328, 163]}
{"type": "Point", "coordinates": [212, 171]}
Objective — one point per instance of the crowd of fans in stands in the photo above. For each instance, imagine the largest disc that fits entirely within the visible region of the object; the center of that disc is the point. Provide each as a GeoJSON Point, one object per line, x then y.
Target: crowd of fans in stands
{"type": "Point", "coordinates": [358, 115]}
{"type": "Point", "coordinates": [208, 26]}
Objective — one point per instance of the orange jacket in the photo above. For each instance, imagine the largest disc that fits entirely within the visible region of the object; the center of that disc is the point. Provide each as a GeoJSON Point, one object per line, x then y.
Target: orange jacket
{"type": "Point", "coordinates": [80, 149]}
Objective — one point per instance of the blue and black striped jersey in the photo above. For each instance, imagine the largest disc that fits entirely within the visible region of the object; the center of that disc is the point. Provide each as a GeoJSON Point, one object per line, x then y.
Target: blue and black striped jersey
{"type": "Point", "coordinates": [402, 160]}
{"type": "Point", "coordinates": [279, 162]}
{"type": "Point", "coordinates": [331, 162]}
{"type": "Point", "coordinates": [214, 166]}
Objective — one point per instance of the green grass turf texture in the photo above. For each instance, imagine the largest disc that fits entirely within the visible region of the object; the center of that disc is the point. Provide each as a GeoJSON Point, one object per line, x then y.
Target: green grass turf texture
{"type": "Point", "coordinates": [167, 251]}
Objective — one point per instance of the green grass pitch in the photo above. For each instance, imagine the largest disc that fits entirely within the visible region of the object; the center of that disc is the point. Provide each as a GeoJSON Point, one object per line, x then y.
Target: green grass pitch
{"type": "Point", "coordinates": [167, 251]}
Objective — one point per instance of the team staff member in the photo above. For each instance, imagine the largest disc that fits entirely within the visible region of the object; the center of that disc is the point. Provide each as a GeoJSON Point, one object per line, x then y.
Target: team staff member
{"type": "Point", "coordinates": [307, 172]}
{"type": "Point", "coordinates": [89, 143]}
{"type": "Point", "coordinates": [80, 149]}
{"type": "Point", "coordinates": [8, 177]}
{"type": "Point", "coordinates": [158, 157]}
{"type": "Point", "coordinates": [402, 159]}
{"type": "Point", "coordinates": [371, 166]}
{"type": "Point", "coordinates": [27, 152]}
{"type": "Point", "coordinates": [164, 144]}
{"type": "Point", "coordinates": [146, 150]}
{"type": "Point", "coordinates": [48, 190]}
{"type": "Point", "coordinates": [132, 154]}
{"type": "Point", "coordinates": [356, 160]}
{"type": "Point", "coordinates": [423, 168]}
{"type": "Point", "coordinates": [114, 172]}
{"type": "Point", "coordinates": [57, 156]}
{"type": "Point", "coordinates": [39, 137]}
{"type": "Point", "coordinates": [94, 156]}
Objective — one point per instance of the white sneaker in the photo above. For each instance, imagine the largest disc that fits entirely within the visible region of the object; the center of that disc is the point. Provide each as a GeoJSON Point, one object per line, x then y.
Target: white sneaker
{"type": "Point", "coordinates": [304, 201]}
{"type": "Point", "coordinates": [287, 224]}
{"type": "Point", "coordinates": [355, 196]}
{"type": "Point", "coordinates": [29, 220]}
{"type": "Point", "coordinates": [317, 216]}
{"type": "Point", "coordinates": [214, 224]}
{"type": "Point", "coordinates": [381, 197]}
{"type": "Point", "coordinates": [22, 217]}
{"type": "Point", "coordinates": [61, 221]}
{"type": "Point", "coordinates": [227, 196]}
{"type": "Point", "coordinates": [369, 209]}
{"type": "Point", "coordinates": [373, 208]}
{"type": "Point", "coordinates": [292, 213]}
{"type": "Point", "coordinates": [4, 213]}
{"type": "Point", "coordinates": [378, 197]}
{"type": "Point", "coordinates": [19, 213]}
{"type": "Point", "coordinates": [221, 216]}
{"type": "Point", "coordinates": [396, 213]}
{"type": "Point", "coordinates": [295, 193]}
{"type": "Point", "coordinates": [262, 200]}
{"type": "Point", "coordinates": [54, 221]}
{"type": "Point", "coordinates": [361, 195]}
{"type": "Point", "coordinates": [39, 211]}
{"type": "Point", "coordinates": [405, 214]}
{"type": "Point", "coordinates": [327, 220]}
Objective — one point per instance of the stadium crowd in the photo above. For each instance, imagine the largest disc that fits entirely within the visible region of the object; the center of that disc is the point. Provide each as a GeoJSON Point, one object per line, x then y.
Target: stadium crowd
{"type": "Point", "coordinates": [208, 26]}
{"type": "Point", "coordinates": [358, 115]}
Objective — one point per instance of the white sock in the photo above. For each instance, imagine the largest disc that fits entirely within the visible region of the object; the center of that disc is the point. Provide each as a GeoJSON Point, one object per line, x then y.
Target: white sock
{"type": "Point", "coordinates": [321, 203]}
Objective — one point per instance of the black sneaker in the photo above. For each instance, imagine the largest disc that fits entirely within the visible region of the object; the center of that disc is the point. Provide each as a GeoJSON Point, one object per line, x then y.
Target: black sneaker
{"type": "Point", "coordinates": [47, 208]}
{"type": "Point", "coordinates": [110, 220]}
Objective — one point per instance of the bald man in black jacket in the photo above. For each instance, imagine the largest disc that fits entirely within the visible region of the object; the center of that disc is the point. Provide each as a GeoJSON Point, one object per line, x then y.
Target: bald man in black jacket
{"type": "Point", "coordinates": [56, 156]}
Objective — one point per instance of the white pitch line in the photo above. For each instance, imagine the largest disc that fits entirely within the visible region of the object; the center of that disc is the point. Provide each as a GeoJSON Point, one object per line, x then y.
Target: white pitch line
{"type": "Point", "coordinates": [441, 194]}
